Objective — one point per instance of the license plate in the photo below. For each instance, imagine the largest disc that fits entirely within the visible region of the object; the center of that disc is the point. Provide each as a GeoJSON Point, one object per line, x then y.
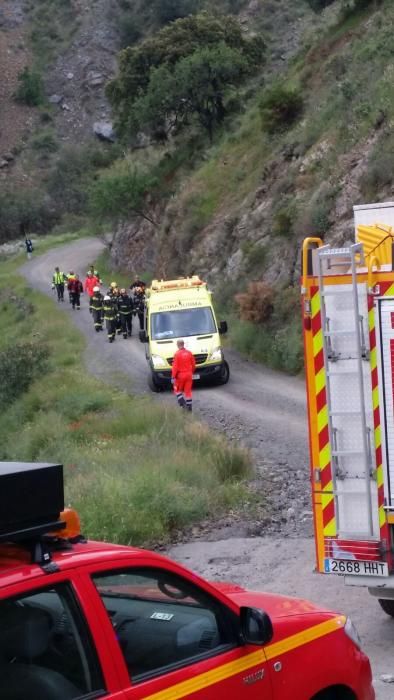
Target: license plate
{"type": "Point", "coordinates": [196, 376]}
{"type": "Point", "coordinates": [353, 567]}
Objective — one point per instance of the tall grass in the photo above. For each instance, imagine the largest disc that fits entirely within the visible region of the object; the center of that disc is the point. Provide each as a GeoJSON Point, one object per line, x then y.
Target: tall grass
{"type": "Point", "coordinates": [135, 470]}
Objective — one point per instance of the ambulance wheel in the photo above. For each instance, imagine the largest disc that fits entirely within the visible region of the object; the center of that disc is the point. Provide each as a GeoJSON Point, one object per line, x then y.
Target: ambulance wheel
{"type": "Point", "coordinates": [224, 375]}
{"type": "Point", "coordinates": [153, 385]}
{"type": "Point", "coordinates": [387, 606]}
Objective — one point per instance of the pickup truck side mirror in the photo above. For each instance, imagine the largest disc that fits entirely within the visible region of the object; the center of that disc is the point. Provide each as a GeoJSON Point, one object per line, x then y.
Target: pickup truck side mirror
{"type": "Point", "coordinates": [144, 338]}
{"type": "Point", "coordinates": [223, 328]}
{"type": "Point", "coordinates": [256, 626]}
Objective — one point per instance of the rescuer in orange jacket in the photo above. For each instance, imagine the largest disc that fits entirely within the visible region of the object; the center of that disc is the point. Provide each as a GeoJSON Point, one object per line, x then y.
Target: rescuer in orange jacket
{"type": "Point", "coordinates": [183, 367]}
{"type": "Point", "coordinates": [91, 282]}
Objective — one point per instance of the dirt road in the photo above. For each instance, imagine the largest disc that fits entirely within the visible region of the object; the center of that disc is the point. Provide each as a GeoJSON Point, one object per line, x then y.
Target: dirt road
{"type": "Point", "coordinates": [265, 411]}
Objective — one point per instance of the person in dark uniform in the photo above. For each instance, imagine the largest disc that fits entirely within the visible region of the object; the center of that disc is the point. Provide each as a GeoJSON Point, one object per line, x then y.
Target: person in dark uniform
{"type": "Point", "coordinates": [97, 301]}
{"type": "Point", "coordinates": [110, 309]}
{"type": "Point", "coordinates": [138, 288]}
{"type": "Point", "coordinates": [125, 308]}
{"type": "Point", "coordinates": [76, 289]}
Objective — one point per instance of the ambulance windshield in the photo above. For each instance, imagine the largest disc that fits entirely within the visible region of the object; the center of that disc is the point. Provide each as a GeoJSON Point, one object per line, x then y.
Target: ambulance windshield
{"type": "Point", "coordinates": [182, 323]}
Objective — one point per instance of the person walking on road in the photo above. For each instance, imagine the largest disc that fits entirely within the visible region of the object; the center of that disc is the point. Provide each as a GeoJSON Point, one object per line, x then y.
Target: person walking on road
{"type": "Point", "coordinates": [90, 283]}
{"type": "Point", "coordinates": [29, 248]}
{"type": "Point", "coordinates": [75, 288]}
{"type": "Point", "coordinates": [110, 309]}
{"type": "Point", "coordinates": [125, 308]}
{"type": "Point", "coordinates": [58, 281]}
{"type": "Point", "coordinates": [70, 276]}
{"type": "Point", "coordinates": [183, 367]}
{"type": "Point", "coordinates": [138, 288]}
{"type": "Point", "coordinates": [97, 301]}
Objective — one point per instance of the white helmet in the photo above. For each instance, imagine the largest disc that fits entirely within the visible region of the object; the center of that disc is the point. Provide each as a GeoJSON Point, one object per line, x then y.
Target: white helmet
{"type": "Point", "coordinates": [96, 289]}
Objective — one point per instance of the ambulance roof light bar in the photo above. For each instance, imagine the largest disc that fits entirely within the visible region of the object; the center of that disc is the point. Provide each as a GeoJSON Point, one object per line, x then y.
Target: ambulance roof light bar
{"type": "Point", "coordinates": [183, 283]}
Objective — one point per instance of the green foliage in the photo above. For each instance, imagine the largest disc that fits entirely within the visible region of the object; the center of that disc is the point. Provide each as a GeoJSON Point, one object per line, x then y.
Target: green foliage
{"type": "Point", "coordinates": [162, 52]}
{"type": "Point", "coordinates": [378, 175]}
{"type": "Point", "coordinates": [284, 219]}
{"type": "Point", "coordinates": [24, 209]}
{"type": "Point", "coordinates": [197, 86]}
{"type": "Point", "coordinates": [20, 364]}
{"type": "Point", "coordinates": [119, 194]}
{"type": "Point", "coordinates": [280, 107]}
{"type": "Point", "coordinates": [72, 174]}
{"type": "Point", "coordinates": [53, 23]}
{"type": "Point", "coordinates": [277, 342]}
{"type": "Point", "coordinates": [30, 88]}
{"type": "Point", "coordinates": [45, 142]}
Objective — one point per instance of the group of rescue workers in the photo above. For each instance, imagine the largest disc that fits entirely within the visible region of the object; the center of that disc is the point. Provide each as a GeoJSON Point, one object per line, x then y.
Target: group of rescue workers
{"type": "Point", "coordinates": [116, 309]}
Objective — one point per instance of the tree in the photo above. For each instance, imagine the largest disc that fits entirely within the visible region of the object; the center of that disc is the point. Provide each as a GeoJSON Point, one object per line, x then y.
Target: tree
{"type": "Point", "coordinates": [118, 194]}
{"type": "Point", "coordinates": [167, 48]}
{"type": "Point", "coordinates": [196, 87]}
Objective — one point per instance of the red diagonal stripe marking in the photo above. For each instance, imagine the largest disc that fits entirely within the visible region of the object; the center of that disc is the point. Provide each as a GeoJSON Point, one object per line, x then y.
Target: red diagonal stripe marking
{"type": "Point", "coordinates": [328, 513]}
{"type": "Point", "coordinates": [376, 417]}
{"type": "Point", "coordinates": [321, 399]}
{"type": "Point", "coordinates": [323, 437]}
{"type": "Point", "coordinates": [319, 361]}
{"type": "Point", "coordinates": [325, 475]}
{"type": "Point", "coordinates": [316, 323]}
{"type": "Point", "coordinates": [374, 378]}
{"type": "Point", "coordinates": [372, 338]}
{"type": "Point", "coordinates": [379, 456]}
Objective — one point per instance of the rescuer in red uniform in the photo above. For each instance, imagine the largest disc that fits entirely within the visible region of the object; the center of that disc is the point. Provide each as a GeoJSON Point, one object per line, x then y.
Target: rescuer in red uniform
{"type": "Point", "coordinates": [183, 367]}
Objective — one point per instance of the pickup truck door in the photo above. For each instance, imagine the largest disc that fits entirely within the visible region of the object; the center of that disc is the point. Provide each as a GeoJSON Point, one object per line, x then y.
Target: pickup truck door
{"type": "Point", "coordinates": [173, 639]}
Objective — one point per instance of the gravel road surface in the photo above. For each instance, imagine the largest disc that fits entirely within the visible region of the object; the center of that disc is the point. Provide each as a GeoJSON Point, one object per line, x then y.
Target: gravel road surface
{"type": "Point", "coordinates": [265, 411]}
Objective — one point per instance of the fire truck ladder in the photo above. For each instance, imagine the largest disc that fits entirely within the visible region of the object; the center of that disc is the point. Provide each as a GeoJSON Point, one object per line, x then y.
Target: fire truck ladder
{"type": "Point", "coordinates": [349, 363]}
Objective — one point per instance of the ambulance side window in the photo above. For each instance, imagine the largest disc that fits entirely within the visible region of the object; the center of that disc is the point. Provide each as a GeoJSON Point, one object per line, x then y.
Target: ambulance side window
{"type": "Point", "coordinates": [163, 621]}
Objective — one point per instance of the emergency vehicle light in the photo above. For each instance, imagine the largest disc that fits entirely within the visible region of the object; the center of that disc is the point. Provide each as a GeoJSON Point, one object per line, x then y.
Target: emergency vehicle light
{"type": "Point", "coordinates": [71, 525]}
{"type": "Point", "coordinates": [184, 283]}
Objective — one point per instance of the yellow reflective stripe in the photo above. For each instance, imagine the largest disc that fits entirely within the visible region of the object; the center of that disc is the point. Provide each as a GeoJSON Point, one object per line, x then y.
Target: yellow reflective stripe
{"type": "Point", "coordinates": [233, 668]}
{"type": "Point", "coordinates": [315, 304]}
{"type": "Point", "coordinates": [308, 635]}
{"type": "Point", "coordinates": [179, 690]}
{"type": "Point", "coordinates": [320, 381]}
{"type": "Point", "coordinates": [322, 418]}
{"type": "Point", "coordinates": [317, 342]}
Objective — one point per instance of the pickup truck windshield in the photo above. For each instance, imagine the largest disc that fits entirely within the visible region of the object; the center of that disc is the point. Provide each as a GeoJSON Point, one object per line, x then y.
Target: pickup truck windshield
{"type": "Point", "coordinates": [182, 323]}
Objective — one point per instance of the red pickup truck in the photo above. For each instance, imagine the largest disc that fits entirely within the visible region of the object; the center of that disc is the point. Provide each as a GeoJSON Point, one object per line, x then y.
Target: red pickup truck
{"type": "Point", "coordinates": [82, 619]}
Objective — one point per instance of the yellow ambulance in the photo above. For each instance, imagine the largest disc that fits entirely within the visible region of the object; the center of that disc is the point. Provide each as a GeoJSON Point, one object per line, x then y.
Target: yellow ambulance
{"type": "Point", "coordinates": [182, 309]}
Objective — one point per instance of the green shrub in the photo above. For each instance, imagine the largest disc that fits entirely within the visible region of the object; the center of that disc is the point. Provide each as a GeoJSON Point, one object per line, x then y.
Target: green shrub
{"type": "Point", "coordinates": [45, 142]}
{"type": "Point", "coordinates": [30, 89]}
{"type": "Point", "coordinates": [19, 366]}
{"type": "Point", "coordinates": [279, 108]}
{"type": "Point", "coordinates": [24, 208]}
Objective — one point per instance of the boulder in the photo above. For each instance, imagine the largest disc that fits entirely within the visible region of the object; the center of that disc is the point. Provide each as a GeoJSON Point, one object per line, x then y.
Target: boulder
{"type": "Point", "coordinates": [104, 130]}
{"type": "Point", "coordinates": [9, 157]}
{"type": "Point", "coordinates": [55, 99]}
{"type": "Point", "coordinates": [94, 78]}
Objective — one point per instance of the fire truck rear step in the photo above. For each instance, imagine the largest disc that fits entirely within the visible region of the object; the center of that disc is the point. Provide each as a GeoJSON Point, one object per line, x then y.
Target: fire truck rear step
{"type": "Point", "coordinates": [344, 315]}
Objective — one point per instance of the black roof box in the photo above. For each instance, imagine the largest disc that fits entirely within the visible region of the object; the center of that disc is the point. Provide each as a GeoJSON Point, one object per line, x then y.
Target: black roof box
{"type": "Point", "coordinates": [31, 499]}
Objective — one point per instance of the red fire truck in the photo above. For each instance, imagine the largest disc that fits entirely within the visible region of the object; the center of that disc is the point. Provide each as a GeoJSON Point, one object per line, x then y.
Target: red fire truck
{"type": "Point", "coordinates": [81, 619]}
{"type": "Point", "coordinates": [348, 319]}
